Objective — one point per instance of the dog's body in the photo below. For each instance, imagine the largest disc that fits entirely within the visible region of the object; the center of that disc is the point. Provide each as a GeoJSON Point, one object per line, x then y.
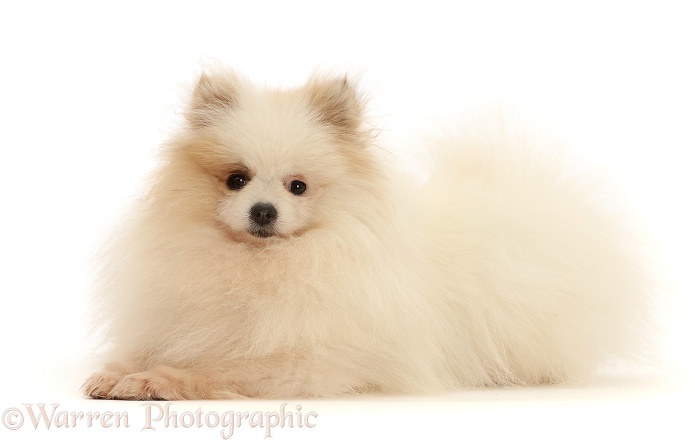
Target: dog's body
{"type": "Point", "coordinates": [275, 257]}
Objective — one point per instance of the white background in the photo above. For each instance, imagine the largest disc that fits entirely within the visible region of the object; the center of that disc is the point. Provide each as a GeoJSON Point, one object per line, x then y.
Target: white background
{"type": "Point", "coordinates": [89, 91]}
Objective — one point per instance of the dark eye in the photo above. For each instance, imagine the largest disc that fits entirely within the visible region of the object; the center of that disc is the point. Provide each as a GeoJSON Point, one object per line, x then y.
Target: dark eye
{"type": "Point", "coordinates": [236, 181]}
{"type": "Point", "coordinates": [297, 187]}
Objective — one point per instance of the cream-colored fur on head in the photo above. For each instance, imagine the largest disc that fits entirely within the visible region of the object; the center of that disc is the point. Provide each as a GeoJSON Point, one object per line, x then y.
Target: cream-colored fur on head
{"type": "Point", "coordinates": [498, 270]}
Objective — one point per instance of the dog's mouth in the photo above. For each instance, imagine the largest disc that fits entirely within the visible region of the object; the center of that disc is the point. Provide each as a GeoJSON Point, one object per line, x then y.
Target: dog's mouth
{"type": "Point", "coordinates": [262, 233]}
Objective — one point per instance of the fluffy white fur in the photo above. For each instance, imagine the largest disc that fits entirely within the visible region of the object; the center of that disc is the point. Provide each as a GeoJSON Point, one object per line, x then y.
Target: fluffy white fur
{"type": "Point", "coordinates": [497, 270]}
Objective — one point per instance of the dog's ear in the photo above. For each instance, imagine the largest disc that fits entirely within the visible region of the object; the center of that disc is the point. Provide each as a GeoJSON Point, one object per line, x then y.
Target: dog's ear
{"type": "Point", "coordinates": [214, 93]}
{"type": "Point", "coordinates": [337, 103]}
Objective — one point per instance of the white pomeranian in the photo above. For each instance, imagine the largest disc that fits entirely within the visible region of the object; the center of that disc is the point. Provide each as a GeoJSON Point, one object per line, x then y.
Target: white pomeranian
{"type": "Point", "coordinates": [276, 255]}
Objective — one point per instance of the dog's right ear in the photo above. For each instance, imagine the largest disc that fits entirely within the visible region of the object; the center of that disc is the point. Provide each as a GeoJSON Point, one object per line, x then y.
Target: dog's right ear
{"type": "Point", "coordinates": [214, 93]}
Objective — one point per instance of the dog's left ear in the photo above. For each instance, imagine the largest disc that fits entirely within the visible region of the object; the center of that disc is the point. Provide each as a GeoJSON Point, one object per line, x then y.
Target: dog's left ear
{"type": "Point", "coordinates": [214, 93]}
{"type": "Point", "coordinates": [337, 103]}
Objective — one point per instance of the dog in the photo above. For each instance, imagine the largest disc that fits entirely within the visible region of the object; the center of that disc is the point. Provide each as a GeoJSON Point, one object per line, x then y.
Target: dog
{"type": "Point", "coordinates": [279, 254]}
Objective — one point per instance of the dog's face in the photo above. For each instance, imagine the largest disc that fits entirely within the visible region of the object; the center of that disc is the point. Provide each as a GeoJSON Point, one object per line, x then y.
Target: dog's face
{"type": "Point", "coordinates": [282, 161]}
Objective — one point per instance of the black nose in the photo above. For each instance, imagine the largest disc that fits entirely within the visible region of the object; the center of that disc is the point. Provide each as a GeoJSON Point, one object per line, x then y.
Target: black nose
{"type": "Point", "coordinates": [263, 214]}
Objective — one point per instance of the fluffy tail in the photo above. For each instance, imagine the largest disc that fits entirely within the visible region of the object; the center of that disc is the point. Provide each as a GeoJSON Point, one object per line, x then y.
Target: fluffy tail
{"type": "Point", "coordinates": [546, 273]}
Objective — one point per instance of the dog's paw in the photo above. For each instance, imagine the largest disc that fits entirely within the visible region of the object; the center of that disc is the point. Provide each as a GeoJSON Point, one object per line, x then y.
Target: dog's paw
{"type": "Point", "coordinates": [100, 384]}
{"type": "Point", "coordinates": [159, 383]}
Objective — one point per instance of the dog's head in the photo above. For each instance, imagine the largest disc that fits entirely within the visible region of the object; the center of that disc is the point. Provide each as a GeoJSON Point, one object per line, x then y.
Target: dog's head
{"type": "Point", "coordinates": [279, 162]}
